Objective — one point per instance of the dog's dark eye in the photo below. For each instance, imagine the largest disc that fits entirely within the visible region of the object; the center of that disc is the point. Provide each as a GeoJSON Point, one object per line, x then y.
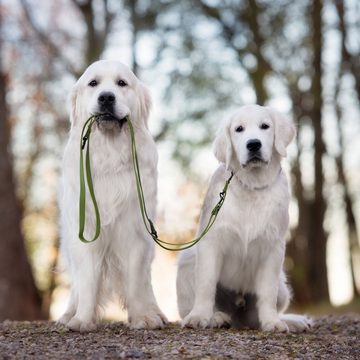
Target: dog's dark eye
{"type": "Point", "coordinates": [264, 126]}
{"type": "Point", "coordinates": [122, 83]}
{"type": "Point", "coordinates": [93, 83]}
{"type": "Point", "coordinates": [239, 129]}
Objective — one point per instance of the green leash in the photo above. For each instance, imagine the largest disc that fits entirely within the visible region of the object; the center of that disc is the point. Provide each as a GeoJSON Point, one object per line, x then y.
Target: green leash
{"type": "Point", "coordinates": [149, 225]}
{"type": "Point", "coordinates": [85, 140]}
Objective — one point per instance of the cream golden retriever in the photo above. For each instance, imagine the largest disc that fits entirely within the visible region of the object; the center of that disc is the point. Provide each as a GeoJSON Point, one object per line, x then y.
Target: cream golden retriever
{"type": "Point", "coordinates": [118, 263]}
{"type": "Point", "coordinates": [235, 275]}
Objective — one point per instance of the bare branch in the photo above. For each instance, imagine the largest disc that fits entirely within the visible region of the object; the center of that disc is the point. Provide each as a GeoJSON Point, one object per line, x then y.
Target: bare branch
{"type": "Point", "coordinates": [45, 40]}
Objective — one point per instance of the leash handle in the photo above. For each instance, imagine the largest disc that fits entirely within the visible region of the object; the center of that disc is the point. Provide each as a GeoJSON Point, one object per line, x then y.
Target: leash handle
{"type": "Point", "coordinates": [149, 225]}
{"type": "Point", "coordinates": [85, 142]}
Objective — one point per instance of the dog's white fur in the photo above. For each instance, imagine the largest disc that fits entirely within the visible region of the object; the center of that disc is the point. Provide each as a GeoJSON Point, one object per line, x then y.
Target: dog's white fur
{"type": "Point", "coordinates": [118, 262]}
{"type": "Point", "coordinates": [244, 251]}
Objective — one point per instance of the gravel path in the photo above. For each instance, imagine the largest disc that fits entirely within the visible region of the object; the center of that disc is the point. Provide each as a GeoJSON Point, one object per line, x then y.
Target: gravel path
{"type": "Point", "coordinates": [332, 337]}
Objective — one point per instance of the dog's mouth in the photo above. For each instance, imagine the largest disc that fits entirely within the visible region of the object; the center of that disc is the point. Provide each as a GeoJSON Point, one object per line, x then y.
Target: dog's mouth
{"type": "Point", "coordinates": [255, 160]}
{"type": "Point", "coordinates": [109, 121]}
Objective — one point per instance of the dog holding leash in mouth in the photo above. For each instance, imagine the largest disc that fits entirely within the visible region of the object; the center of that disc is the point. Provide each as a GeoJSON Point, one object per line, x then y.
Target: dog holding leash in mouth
{"type": "Point", "coordinates": [235, 275]}
{"type": "Point", "coordinates": [118, 263]}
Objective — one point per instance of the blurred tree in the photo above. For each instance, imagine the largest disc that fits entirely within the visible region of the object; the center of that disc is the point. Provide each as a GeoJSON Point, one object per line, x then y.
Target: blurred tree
{"type": "Point", "coordinates": [19, 298]}
{"type": "Point", "coordinates": [244, 23]}
{"type": "Point", "coordinates": [349, 63]}
{"type": "Point", "coordinates": [316, 236]}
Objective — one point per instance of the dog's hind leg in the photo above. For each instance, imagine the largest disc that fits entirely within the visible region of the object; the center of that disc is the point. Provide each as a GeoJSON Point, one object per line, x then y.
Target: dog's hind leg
{"type": "Point", "coordinates": [185, 283]}
{"type": "Point", "coordinates": [284, 294]}
{"type": "Point", "coordinates": [297, 323]}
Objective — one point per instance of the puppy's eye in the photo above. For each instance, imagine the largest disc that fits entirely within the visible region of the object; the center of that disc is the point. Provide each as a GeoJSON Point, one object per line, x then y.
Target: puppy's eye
{"type": "Point", "coordinates": [122, 83]}
{"type": "Point", "coordinates": [93, 83]}
{"type": "Point", "coordinates": [239, 129]}
{"type": "Point", "coordinates": [264, 126]}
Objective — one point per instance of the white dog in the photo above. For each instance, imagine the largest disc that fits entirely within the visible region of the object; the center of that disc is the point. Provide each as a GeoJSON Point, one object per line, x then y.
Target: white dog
{"type": "Point", "coordinates": [241, 258]}
{"type": "Point", "coordinates": [118, 262]}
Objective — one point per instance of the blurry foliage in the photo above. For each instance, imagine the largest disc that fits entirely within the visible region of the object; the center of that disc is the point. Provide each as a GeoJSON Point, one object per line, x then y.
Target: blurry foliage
{"type": "Point", "coordinates": [206, 57]}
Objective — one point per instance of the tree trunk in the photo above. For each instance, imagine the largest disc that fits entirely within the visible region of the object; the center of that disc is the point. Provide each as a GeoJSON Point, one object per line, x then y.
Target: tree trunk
{"type": "Point", "coordinates": [257, 75]}
{"type": "Point", "coordinates": [133, 17]}
{"type": "Point", "coordinates": [347, 65]}
{"type": "Point", "coordinates": [19, 299]}
{"type": "Point", "coordinates": [317, 236]}
{"type": "Point", "coordinates": [350, 62]}
{"type": "Point", "coordinates": [298, 247]}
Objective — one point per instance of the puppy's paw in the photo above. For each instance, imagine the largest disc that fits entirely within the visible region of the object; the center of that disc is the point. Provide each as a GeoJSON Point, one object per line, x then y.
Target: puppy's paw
{"type": "Point", "coordinates": [64, 319]}
{"type": "Point", "coordinates": [148, 321]}
{"type": "Point", "coordinates": [196, 321]}
{"type": "Point", "coordinates": [220, 319]}
{"type": "Point", "coordinates": [297, 323]}
{"type": "Point", "coordinates": [76, 324]}
{"type": "Point", "coordinates": [275, 325]}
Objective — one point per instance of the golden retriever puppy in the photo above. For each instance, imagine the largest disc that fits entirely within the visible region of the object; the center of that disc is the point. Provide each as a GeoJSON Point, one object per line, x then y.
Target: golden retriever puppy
{"type": "Point", "coordinates": [235, 274]}
{"type": "Point", "coordinates": [118, 263]}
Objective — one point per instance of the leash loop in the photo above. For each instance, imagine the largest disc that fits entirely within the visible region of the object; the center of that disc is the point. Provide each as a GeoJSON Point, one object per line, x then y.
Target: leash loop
{"type": "Point", "coordinates": [148, 223]}
{"type": "Point", "coordinates": [149, 226]}
{"type": "Point", "coordinates": [85, 141]}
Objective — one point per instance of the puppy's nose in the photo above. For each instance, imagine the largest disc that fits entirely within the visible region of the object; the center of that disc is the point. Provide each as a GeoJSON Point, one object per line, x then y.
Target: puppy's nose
{"type": "Point", "coordinates": [106, 98]}
{"type": "Point", "coordinates": [253, 145]}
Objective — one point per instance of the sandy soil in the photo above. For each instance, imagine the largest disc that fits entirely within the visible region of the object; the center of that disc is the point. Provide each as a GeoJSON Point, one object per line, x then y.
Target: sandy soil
{"type": "Point", "coordinates": [332, 337]}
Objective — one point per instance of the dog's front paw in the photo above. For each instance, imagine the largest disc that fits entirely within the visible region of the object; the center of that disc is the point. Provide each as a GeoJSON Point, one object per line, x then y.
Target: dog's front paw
{"type": "Point", "coordinates": [76, 324]}
{"type": "Point", "coordinates": [148, 321]}
{"type": "Point", "coordinates": [220, 319]}
{"type": "Point", "coordinates": [65, 319]}
{"type": "Point", "coordinates": [296, 323]}
{"type": "Point", "coordinates": [194, 321]}
{"type": "Point", "coordinates": [275, 325]}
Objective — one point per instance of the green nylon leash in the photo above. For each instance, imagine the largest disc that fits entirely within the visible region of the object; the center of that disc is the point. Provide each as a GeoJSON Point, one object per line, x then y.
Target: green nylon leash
{"type": "Point", "coordinates": [149, 225]}
{"type": "Point", "coordinates": [85, 141]}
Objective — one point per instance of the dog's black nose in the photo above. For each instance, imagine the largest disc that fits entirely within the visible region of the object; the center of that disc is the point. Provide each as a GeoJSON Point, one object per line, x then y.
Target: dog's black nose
{"type": "Point", "coordinates": [106, 98]}
{"type": "Point", "coordinates": [253, 145]}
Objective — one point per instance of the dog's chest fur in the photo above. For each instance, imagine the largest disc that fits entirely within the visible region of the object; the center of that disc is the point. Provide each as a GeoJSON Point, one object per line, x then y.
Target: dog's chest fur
{"type": "Point", "coordinates": [253, 223]}
{"type": "Point", "coordinates": [113, 174]}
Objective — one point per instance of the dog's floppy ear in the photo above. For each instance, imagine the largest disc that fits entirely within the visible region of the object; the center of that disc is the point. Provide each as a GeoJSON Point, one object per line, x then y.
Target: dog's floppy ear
{"type": "Point", "coordinates": [73, 104]}
{"type": "Point", "coordinates": [144, 102]}
{"type": "Point", "coordinates": [284, 131]}
{"type": "Point", "coordinates": [222, 146]}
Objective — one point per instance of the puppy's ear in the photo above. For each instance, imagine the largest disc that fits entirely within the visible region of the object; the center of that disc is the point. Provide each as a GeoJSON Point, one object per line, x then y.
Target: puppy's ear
{"type": "Point", "coordinates": [284, 131]}
{"type": "Point", "coordinates": [73, 104]}
{"type": "Point", "coordinates": [222, 146]}
{"type": "Point", "coordinates": [144, 102]}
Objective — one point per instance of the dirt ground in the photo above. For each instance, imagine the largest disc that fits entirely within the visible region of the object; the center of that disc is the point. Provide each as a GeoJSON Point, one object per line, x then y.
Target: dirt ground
{"type": "Point", "coordinates": [332, 337]}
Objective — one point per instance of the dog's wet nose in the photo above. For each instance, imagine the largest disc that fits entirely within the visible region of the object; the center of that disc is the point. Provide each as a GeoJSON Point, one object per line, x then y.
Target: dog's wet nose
{"type": "Point", "coordinates": [106, 98]}
{"type": "Point", "coordinates": [253, 145]}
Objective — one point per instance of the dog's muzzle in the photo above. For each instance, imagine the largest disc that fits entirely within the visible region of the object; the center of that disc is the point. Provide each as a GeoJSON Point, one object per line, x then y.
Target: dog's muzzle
{"type": "Point", "coordinates": [106, 116]}
{"type": "Point", "coordinates": [254, 152]}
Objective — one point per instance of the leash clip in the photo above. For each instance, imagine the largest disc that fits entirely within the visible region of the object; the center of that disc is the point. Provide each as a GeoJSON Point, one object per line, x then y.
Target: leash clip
{"type": "Point", "coordinates": [84, 140]}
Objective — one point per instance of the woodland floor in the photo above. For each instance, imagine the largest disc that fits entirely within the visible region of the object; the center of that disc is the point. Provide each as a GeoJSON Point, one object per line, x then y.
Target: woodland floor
{"type": "Point", "coordinates": [332, 337]}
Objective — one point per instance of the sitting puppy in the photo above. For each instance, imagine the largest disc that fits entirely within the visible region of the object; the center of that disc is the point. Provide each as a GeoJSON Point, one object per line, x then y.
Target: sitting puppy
{"type": "Point", "coordinates": [118, 262]}
{"type": "Point", "coordinates": [235, 274]}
